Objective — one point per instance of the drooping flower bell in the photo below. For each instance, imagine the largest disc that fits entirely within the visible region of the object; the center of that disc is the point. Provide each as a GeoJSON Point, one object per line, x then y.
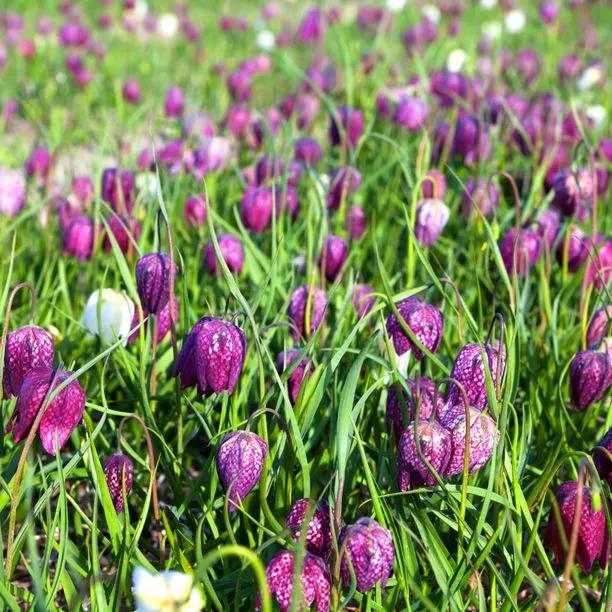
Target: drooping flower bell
{"type": "Point", "coordinates": [78, 237]}
{"type": "Point", "coordinates": [307, 305]}
{"type": "Point", "coordinates": [363, 300]}
{"type": "Point", "coordinates": [27, 348]}
{"type": "Point", "coordinates": [356, 222]}
{"type": "Point", "coordinates": [62, 414]}
{"type": "Point", "coordinates": [108, 314]}
{"type": "Point", "coordinates": [590, 377]}
{"type": "Point", "coordinates": [153, 272]}
{"type": "Point", "coordinates": [368, 549]}
{"type": "Point", "coordinates": [602, 457]}
{"type": "Point", "coordinates": [593, 542]}
{"type": "Point", "coordinates": [318, 533]}
{"type": "Point", "coordinates": [287, 359]}
{"type": "Point", "coordinates": [124, 230]}
{"type": "Point", "coordinates": [435, 186]}
{"type": "Point", "coordinates": [12, 191]}
{"type": "Point", "coordinates": [118, 190]}
{"type": "Point", "coordinates": [231, 251]}
{"type": "Point", "coordinates": [424, 320]}
{"type": "Point", "coordinates": [434, 445]}
{"type": "Point", "coordinates": [343, 183]}
{"type": "Point", "coordinates": [212, 356]}
{"type": "Point", "coordinates": [312, 27]}
{"type": "Point", "coordinates": [411, 113]}
{"type": "Point", "coordinates": [574, 246]}
{"type": "Point", "coordinates": [350, 128]}
{"type": "Point", "coordinates": [194, 212]}
{"type": "Point", "coordinates": [308, 151]}
{"type": "Point", "coordinates": [240, 460]}
{"type": "Point", "coordinates": [547, 227]}
{"type": "Point", "coordinates": [519, 250]}
{"type": "Point", "coordinates": [38, 163]}
{"type": "Point", "coordinates": [315, 582]}
{"type": "Point", "coordinates": [256, 208]}
{"type": "Point", "coordinates": [431, 218]}
{"type": "Point", "coordinates": [119, 471]}
{"type": "Point", "coordinates": [574, 193]}
{"type": "Point", "coordinates": [131, 91]}
{"type": "Point", "coordinates": [599, 327]}
{"type": "Point", "coordinates": [174, 101]}
{"type": "Point", "coordinates": [482, 194]}
{"type": "Point", "coordinates": [333, 256]}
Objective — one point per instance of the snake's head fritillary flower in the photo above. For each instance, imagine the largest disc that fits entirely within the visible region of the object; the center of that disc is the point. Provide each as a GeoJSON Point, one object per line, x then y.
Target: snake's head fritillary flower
{"type": "Point", "coordinates": [568, 68]}
{"type": "Point", "coordinates": [288, 359]}
{"type": "Point", "coordinates": [350, 128]}
{"type": "Point", "coordinates": [318, 532]}
{"type": "Point", "coordinates": [165, 591]}
{"type": "Point", "coordinates": [38, 163]}
{"type": "Point", "coordinates": [422, 395]}
{"type": "Point", "coordinates": [549, 11]}
{"type": "Point", "coordinates": [124, 230]}
{"type": "Point", "coordinates": [82, 190]}
{"type": "Point", "coordinates": [131, 91]}
{"type": "Point", "coordinates": [575, 247]}
{"type": "Point", "coordinates": [119, 472]}
{"type": "Point", "coordinates": [484, 437]}
{"type": "Point", "coordinates": [574, 193]}
{"type": "Point", "coordinates": [239, 85]}
{"type": "Point", "coordinates": [367, 548]}
{"type": "Point", "coordinates": [547, 227]}
{"type": "Point", "coordinates": [231, 251]}
{"type": "Point", "coordinates": [62, 414]}
{"type": "Point", "coordinates": [431, 218]}
{"type": "Point", "coordinates": [590, 377]}
{"type": "Point", "coordinates": [424, 320]}
{"type": "Point", "coordinates": [212, 356]}
{"type": "Point", "coordinates": [268, 168]}
{"type": "Point", "coordinates": [333, 256]}
{"type": "Point", "coordinates": [174, 102]}
{"type": "Point", "coordinates": [602, 457]}
{"type": "Point", "coordinates": [27, 348]}
{"type": "Point", "coordinates": [240, 460]}
{"type": "Point", "coordinates": [356, 222]}
{"type": "Point", "coordinates": [434, 445]}
{"type": "Point", "coordinates": [312, 27]}
{"type": "Point", "coordinates": [363, 299]}
{"type": "Point", "coordinates": [153, 272]}
{"type": "Point", "coordinates": [599, 327]}
{"type": "Point", "coordinates": [599, 263]}
{"type": "Point", "coordinates": [164, 324]}
{"type": "Point", "coordinates": [411, 113]}
{"type": "Point", "coordinates": [435, 185]}
{"type": "Point", "coordinates": [256, 208]}
{"type": "Point", "coordinates": [12, 191]}
{"type": "Point", "coordinates": [307, 304]}
{"type": "Point", "coordinates": [593, 539]}
{"type": "Point", "coordinates": [108, 314]}
{"type": "Point", "coordinates": [118, 190]}
{"type": "Point", "coordinates": [481, 194]}
{"type": "Point", "coordinates": [308, 151]}
{"type": "Point", "coordinates": [315, 582]}
{"type": "Point", "coordinates": [78, 237]}
{"type": "Point", "coordinates": [344, 182]}
{"type": "Point", "coordinates": [519, 250]}
{"type": "Point", "coordinates": [528, 65]}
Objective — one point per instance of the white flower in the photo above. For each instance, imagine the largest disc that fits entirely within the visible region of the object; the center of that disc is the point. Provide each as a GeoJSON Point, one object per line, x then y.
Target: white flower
{"type": "Point", "coordinates": [395, 6]}
{"type": "Point", "coordinates": [515, 21]}
{"type": "Point", "coordinates": [265, 40]}
{"type": "Point", "coordinates": [597, 114]}
{"type": "Point", "coordinates": [402, 362]}
{"type": "Point", "coordinates": [167, 25]}
{"type": "Point", "coordinates": [590, 77]}
{"type": "Point", "coordinates": [492, 29]}
{"type": "Point", "coordinates": [166, 591]}
{"type": "Point", "coordinates": [456, 60]}
{"type": "Point", "coordinates": [140, 10]}
{"type": "Point", "coordinates": [488, 4]}
{"type": "Point", "coordinates": [431, 12]}
{"type": "Point", "coordinates": [108, 314]}
{"type": "Point", "coordinates": [147, 183]}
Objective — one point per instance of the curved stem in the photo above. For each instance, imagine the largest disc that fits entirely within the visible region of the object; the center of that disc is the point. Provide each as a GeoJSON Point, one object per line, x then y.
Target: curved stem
{"type": "Point", "coordinates": [261, 411]}
{"type": "Point", "coordinates": [515, 191]}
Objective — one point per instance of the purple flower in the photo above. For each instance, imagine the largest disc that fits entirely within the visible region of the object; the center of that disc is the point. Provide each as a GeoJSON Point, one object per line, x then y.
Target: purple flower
{"type": "Point", "coordinates": [318, 532]}
{"type": "Point", "coordinates": [312, 27]}
{"type": "Point", "coordinates": [547, 227]}
{"type": "Point", "coordinates": [435, 446]}
{"type": "Point", "coordinates": [593, 538]}
{"type": "Point", "coordinates": [569, 68]}
{"type": "Point", "coordinates": [431, 217]}
{"type": "Point", "coordinates": [449, 87]}
{"type": "Point", "coordinates": [38, 163]}
{"type": "Point", "coordinates": [367, 548]}
{"type": "Point", "coordinates": [599, 327]}
{"type": "Point", "coordinates": [549, 11]}
{"type": "Point", "coordinates": [289, 359]}
{"type": "Point", "coordinates": [308, 151]}
{"type": "Point", "coordinates": [27, 348]}
{"type": "Point", "coordinates": [356, 222]}
{"type": "Point", "coordinates": [468, 371]}
{"type": "Point", "coordinates": [306, 304]}
{"type": "Point", "coordinates": [590, 377]}
{"type": "Point", "coordinates": [78, 237]}
{"type": "Point", "coordinates": [482, 194]}
{"type": "Point", "coordinates": [599, 267]}
{"type": "Point", "coordinates": [528, 65]}
{"type": "Point", "coordinates": [363, 300]}
{"type": "Point", "coordinates": [602, 454]}
{"type": "Point", "coordinates": [231, 251]}
{"type": "Point", "coordinates": [436, 187]}
{"type": "Point", "coordinates": [212, 356]}
{"type": "Point", "coordinates": [576, 246]}
{"type": "Point", "coordinates": [118, 190]}
{"type": "Point", "coordinates": [350, 128]}
{"type": "Point", "coordinates": [12, 191]}
{"type": "Point", "coordinates": [240, 460]}
{"type": "Point", "coordinates": [484, 436]}
{"type": "Point", "coordinates": [131, 91]}
{"type": "Point", "coordinates": [174, 102]}
{"type": "Point", "coordinates": [333, 256]}
{"type": "Point", "coordinates": [411, 113]}
{"type": "Point", "coordinates": [268, 168]}
{"type": "Point", "coordinates": [118, 469]}
{"type": "Point", "coordinates": [422, 396]}
{"type": "Point", "coordinates": [256, 208]}
{"type": "Point", "coordinates": [62, 414]}
{"type": "Point", "coordinates": [239, 85]}
{"type": "Point", "coordinates": [82, 190]}
{"type": "Point", "coordinates": [574, 193]}
{"type": "Point", "coordinates": [519, 251]}
{"type": "Point", "coordinates": [124, 229]}
{"type": "Point", "coordinates": [344, 182]}
{"type": "Point", "coordinates": [315, 582]}
{"type": "Point", "coordinates": [153, 272]}
{"type": "Point", "coordinates": [424, 320]}
{"type": "Point", "coordinates": [194, 212]}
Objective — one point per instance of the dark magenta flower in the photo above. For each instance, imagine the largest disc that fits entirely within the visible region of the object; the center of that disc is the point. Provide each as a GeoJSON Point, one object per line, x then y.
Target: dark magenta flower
{"type": "Point", "coordinates": [350, 128]}
{"type": "Point", "coordinates": [424, 320]}
{"type": "Point", "coordinates": [434, 444]}
{"type": "Point", "coordinates": [344, 182]}
{"type": "Point", "coordinates": [308, 151]}
{"type": "Point", "coordinates": [431, 218]}
{"type": "Point", "coordinates": [468, 371]}
{"type": "Point", "coordinates": [590, 377]}
{"type": "Point", "coordinates": [593, 538]}
{"type": "Point", "coordinates": [599, 263]}
{"type": "Point", "coordinates": [549, 11]}
{"type": "Point", "coordinates": [519, 251]}
{"type": "Point", "coordinates": [174, 101]}
{"type": "Point", "coordinates": [62, 414]}
{"type": "Point", "coordinates": [27, 348]}
{"type": "Point", "coordinates": [482, 194]}
{"type": "Point", "coordinates": [602, 457]}
{"type": "Point", "coordinates": [599, 327]}
{"type": "Point", "coordinates": [569, 68]}
{"type": "Point", "coordinates": [38, 163]}
{"type": "Point", "coordinates": [78, 237]}
{"type": "Point", "coordinates": [240, 460]}
{"type": "Point", "coordinates": [315, 582]}
{"type": "Point", "coordinates": [119, 469]}
{"type": "Point", "coordinates": [268, 168]}
{"type": "Point", "coordinates": [212, 356]}
{"type": "Point", "coordinates": [256, 208]}
{"type": "Point", "coordinates": [363, 300]}
{"type": "Point", "coordinates": [318, 532]}
{"type": "Point", "coordinates": [574, 193]}
{"type": "Point", "coordinates": [575, 247]}
{"type": "Point", "coordinates": [239, 85]}
{"type": "Point", "coordinates": [231, 251]}
{"type": "Point", "coordinates": [528, 65]}
{"type": "Point", "coordinates": [449, 87]}
{"type": "Point", "coordinates": [367, 548]}
{"type": "Point", "coordinates": [356, 222]}
{"type": "Point", "coordinates": [83, 190]}
{"type": "Point", "coordinates": [547, 226]}
{"type": "Point", "coordinates": [118, 190]}
{"type": "Point", "coordinates": [153, 272]}
{"type": "Point", "coordinates": [411, 113]}
{"type": "Point", "coordinates": [307, 304]}
{"type": "Point", "coordinates": [289, 359]}
{"type": "Point", "coordinates": [435, 187]}
{"type": "Point", "coordinates": [333, 256]}
{"type": "Point", "coordinates": [194, 212]}
{"type": "Point", "coordinates": [124, 229]}
{"type": "Point", "coordinates": [312, 27]}
{"type": "Point", "coordinates": [131, 91]}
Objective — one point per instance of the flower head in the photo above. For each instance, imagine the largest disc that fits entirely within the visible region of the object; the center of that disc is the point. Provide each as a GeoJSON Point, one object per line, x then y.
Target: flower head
{"type": "Point", "coordinates": [231, 251]}
{"type": "Point", "coordinates": [119, 472]}
{"type": "Point", "coordinates": [288, 359]}
{"type": "Point", "coordinates": [153, 272]}
{"type": "Point", "coordinates": [318, 532]}
{"type": "Point", "coordinates": [108, 314]}
{"type": "Point", "coordinates": [431, 217]}
{"type": "Point", "coordinates": [307, 304]}
{"type": "Point", "coordinates": [167, 591]}
{"type": "Point", "coordinates": [590, 377]}
{"type": "Point", "coordinates": [12, 191]}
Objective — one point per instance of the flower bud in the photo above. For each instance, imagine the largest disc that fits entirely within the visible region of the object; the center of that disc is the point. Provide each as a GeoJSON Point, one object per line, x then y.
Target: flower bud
{"type": "Point", "coordinates": [124, 229]}
{"type": "Point", "coordinates": [344, 182]}
{"type": "Point", "coordinates": [436, 187]}
{"type": "Point", "coordinates": [306, 304]}
{"type": "Point", "coordinates": [256, 208]}
{"type": "Point", "coordinates": [602, 457]}
{"type": "Point", "coordinates": [174, 102]}
{"type": "Point", "coordinates": [38, 163]}
{"type": "Point", "coordinates": [590, 377]}
{"type": "Point", "coordinates": [78, 237]}
{"type": "Point", "coordinates": [312, 27]}
{"type": "Point", "coordinates": [318, 532]}
{"type": "Point", "coordinates": [308, 151]}
{"type": "Point", "coordinates": [519, 250]}
{"type": "Point", "coordinates": [576, 245]}
{"type": "Point", "coordinates": [108, 314]}
{"type": "Point", "coordinates": [356, 222]}
{"type": "Point", "coordinates": [118, 190]}
{"type": "Point", "coordinates": [288, 359]}
{"type": "Point", "coordinates": [333, 256]}
{"type": "Point", "coordinates": [599, 327]}
{"type": "Point", "coordinates": [350, 128]}
{"type": "Point", "coordinates": [431, 217]}
{"type": "Point", "coordinates": [411, 113]}
{"type": "Point", "coordinates": [363, 300]}
{"type": "Point", "coordinates": [231, 251]}
{"type": "Point", "coordinates": [574, 193]}
{"type": "Point", "coordinates": [153, 272]}
{"type": "Point", "coordinates": [131, 91]}
{"type": "Point", "coordinates": [118, 470]}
